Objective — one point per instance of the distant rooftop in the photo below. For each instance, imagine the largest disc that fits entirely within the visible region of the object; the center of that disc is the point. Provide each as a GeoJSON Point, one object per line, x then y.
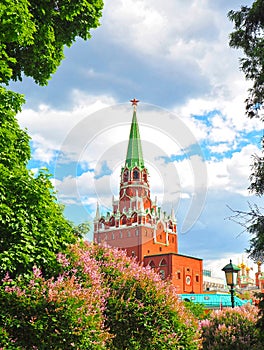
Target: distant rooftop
{"type": "Point", "coordinates": [213, 301]}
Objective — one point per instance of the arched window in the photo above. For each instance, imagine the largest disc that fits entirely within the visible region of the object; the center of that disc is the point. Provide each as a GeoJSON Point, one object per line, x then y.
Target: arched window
{"type": "Point", "coordinates": [134, 217]}
{"type": "Point", "coordinates": [112, 221]}
{"type": "Point", "coordinates": [148, 218]}
{"type": "Point", "coordinates": [152, 265]}
{"type": "Point", "coordinates": [125, 176]}
{"type": "Point", "coordinates": [163, 262]}
{"type": "Point", "coordinates": [135, 174]}
{"type": "Point", "coordinates": [101, 223]}
{"type": "Point", "coordinates": [123, 219]}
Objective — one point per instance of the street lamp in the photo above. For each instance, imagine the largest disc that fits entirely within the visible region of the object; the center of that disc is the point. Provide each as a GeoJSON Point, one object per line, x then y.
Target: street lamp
{"type": "Point", "coordinates": [231, 271]}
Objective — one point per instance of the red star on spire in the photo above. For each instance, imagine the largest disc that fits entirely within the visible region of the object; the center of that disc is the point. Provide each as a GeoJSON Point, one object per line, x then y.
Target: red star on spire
{"type": "Point", "coordinates": [134, 102]}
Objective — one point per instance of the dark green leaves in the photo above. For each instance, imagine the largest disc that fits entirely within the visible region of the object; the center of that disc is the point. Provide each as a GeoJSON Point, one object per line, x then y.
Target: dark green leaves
{"type": "Point", "coordinates": [33, 33]}
{"type": "Point", "coordinates": [32, 227]}
{"type": "Point", "coordinates": [248, 35]}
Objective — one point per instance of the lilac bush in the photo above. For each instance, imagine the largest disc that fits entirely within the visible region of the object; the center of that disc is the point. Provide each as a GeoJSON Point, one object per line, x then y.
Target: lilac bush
{"type": "Point", "coordinates": [142, 311]}
{"type": "Point", "coordinates": [231, 329]}
{"type": "Point", "coordinates": [59, 313]}
{"type": "Point", "coordinates": [101, 300]}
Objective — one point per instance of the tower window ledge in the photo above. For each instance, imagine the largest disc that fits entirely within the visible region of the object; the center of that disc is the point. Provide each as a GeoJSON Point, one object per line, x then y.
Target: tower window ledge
{"type": "Point", "coordinates": [161, 243]}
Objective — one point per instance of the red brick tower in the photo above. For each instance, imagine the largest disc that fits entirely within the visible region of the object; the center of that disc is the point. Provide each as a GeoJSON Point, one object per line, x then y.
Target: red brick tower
{"type": "Point", "coordinates": [137, 225]}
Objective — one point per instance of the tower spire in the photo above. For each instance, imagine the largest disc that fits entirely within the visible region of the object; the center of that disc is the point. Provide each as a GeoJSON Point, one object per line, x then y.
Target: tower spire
{"type": "Point", "coordinates": [97, 215]}
{"type": "Point", "coordinates": [134, 157]}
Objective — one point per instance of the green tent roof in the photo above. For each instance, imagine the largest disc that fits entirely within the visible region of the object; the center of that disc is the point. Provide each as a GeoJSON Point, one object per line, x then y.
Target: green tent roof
{"type": "Point", "coordinates": [134, 157]}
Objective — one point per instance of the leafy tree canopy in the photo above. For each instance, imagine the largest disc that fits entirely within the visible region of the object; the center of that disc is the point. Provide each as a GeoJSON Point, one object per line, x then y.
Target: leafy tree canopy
{"type": "Point", "coordinates": [33, 229]}
{"type": "Point", "coordinates": [248, 36]}
{"type": "Point", "coordinates": [81, 230]}
{"type": "Point", "coordinates": [33, 33]}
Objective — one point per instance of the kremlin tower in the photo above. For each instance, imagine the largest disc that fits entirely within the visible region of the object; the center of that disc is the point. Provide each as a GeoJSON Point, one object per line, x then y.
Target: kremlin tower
{"type": "Point", "coordinates": [137, 225]}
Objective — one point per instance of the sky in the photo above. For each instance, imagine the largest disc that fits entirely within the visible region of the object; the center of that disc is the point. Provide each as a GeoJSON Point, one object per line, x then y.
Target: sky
{"type": "Point", "coordinates": [197, 143]}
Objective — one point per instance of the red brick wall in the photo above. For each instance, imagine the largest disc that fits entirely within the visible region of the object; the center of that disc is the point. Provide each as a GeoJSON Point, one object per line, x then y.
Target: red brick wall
{"type": "Point", "coordinates": [185, 272]}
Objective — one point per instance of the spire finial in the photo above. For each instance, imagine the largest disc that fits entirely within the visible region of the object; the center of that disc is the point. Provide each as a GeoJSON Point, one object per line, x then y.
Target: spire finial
{"type": "Point", "coordinates": [134, 103]}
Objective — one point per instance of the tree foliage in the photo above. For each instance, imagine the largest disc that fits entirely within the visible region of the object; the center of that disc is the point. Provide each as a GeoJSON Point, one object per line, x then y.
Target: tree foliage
{"type": "Point", "coordinates": [81, 230]}
{"type": "Point", "coordinates": [253, 222]}
{"type": "Point", "coordinates": [34, 32]}
{"type": "Point", "coordinates": [248, 36]}
{"type": "Point", "coordinates": [33, 229]}
{"type": "Point", "coordinates": [32, 36]}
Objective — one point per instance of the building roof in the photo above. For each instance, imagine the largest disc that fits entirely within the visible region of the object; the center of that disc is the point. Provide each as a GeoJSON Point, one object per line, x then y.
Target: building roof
{"type": "Point", "coordinates": [213, 300]}
{"type": "Point", "coordinates": [134, 157]}
{"type": "Point", "coordinates": [172, 253]}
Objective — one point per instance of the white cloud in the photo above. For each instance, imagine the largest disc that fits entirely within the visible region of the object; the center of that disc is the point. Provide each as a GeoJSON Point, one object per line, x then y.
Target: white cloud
{"type": "Point", "coordinates": [232, 174]}
{"type": "Point", "coordinates": [216, 265]}
{"type": "Point", "coordinates": [172, 35]}
{"type": "Point", "coordinates": [49, 127]}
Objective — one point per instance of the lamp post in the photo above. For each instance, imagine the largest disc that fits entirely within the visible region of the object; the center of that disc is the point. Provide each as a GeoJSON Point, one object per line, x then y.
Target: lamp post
{"type": "Point", "coordinates": [231, 272]}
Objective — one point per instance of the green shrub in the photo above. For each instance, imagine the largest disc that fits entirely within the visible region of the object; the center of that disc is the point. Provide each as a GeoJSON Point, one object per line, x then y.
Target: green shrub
{"type": "Point", "coordinates": [231, 329]}
{"type": "Point", "coordinates": [198, 310]}
{"type": "Point", "coordinates": [102, 300]}
{"type": "Point", "coordinates": [61, 313]}
{"type": "Point", "coordinates": [142, 311]}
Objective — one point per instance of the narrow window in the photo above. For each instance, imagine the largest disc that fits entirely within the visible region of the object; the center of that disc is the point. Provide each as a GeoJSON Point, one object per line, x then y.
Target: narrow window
{"type": "Point", "coordinates": [135, 174]}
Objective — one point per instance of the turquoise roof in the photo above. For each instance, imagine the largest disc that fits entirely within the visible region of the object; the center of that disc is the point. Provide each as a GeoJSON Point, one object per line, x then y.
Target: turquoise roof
{"type": "Point", "coordinates": [213, 300]}
{"type": "Point", "coordinates": [134, 157]}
